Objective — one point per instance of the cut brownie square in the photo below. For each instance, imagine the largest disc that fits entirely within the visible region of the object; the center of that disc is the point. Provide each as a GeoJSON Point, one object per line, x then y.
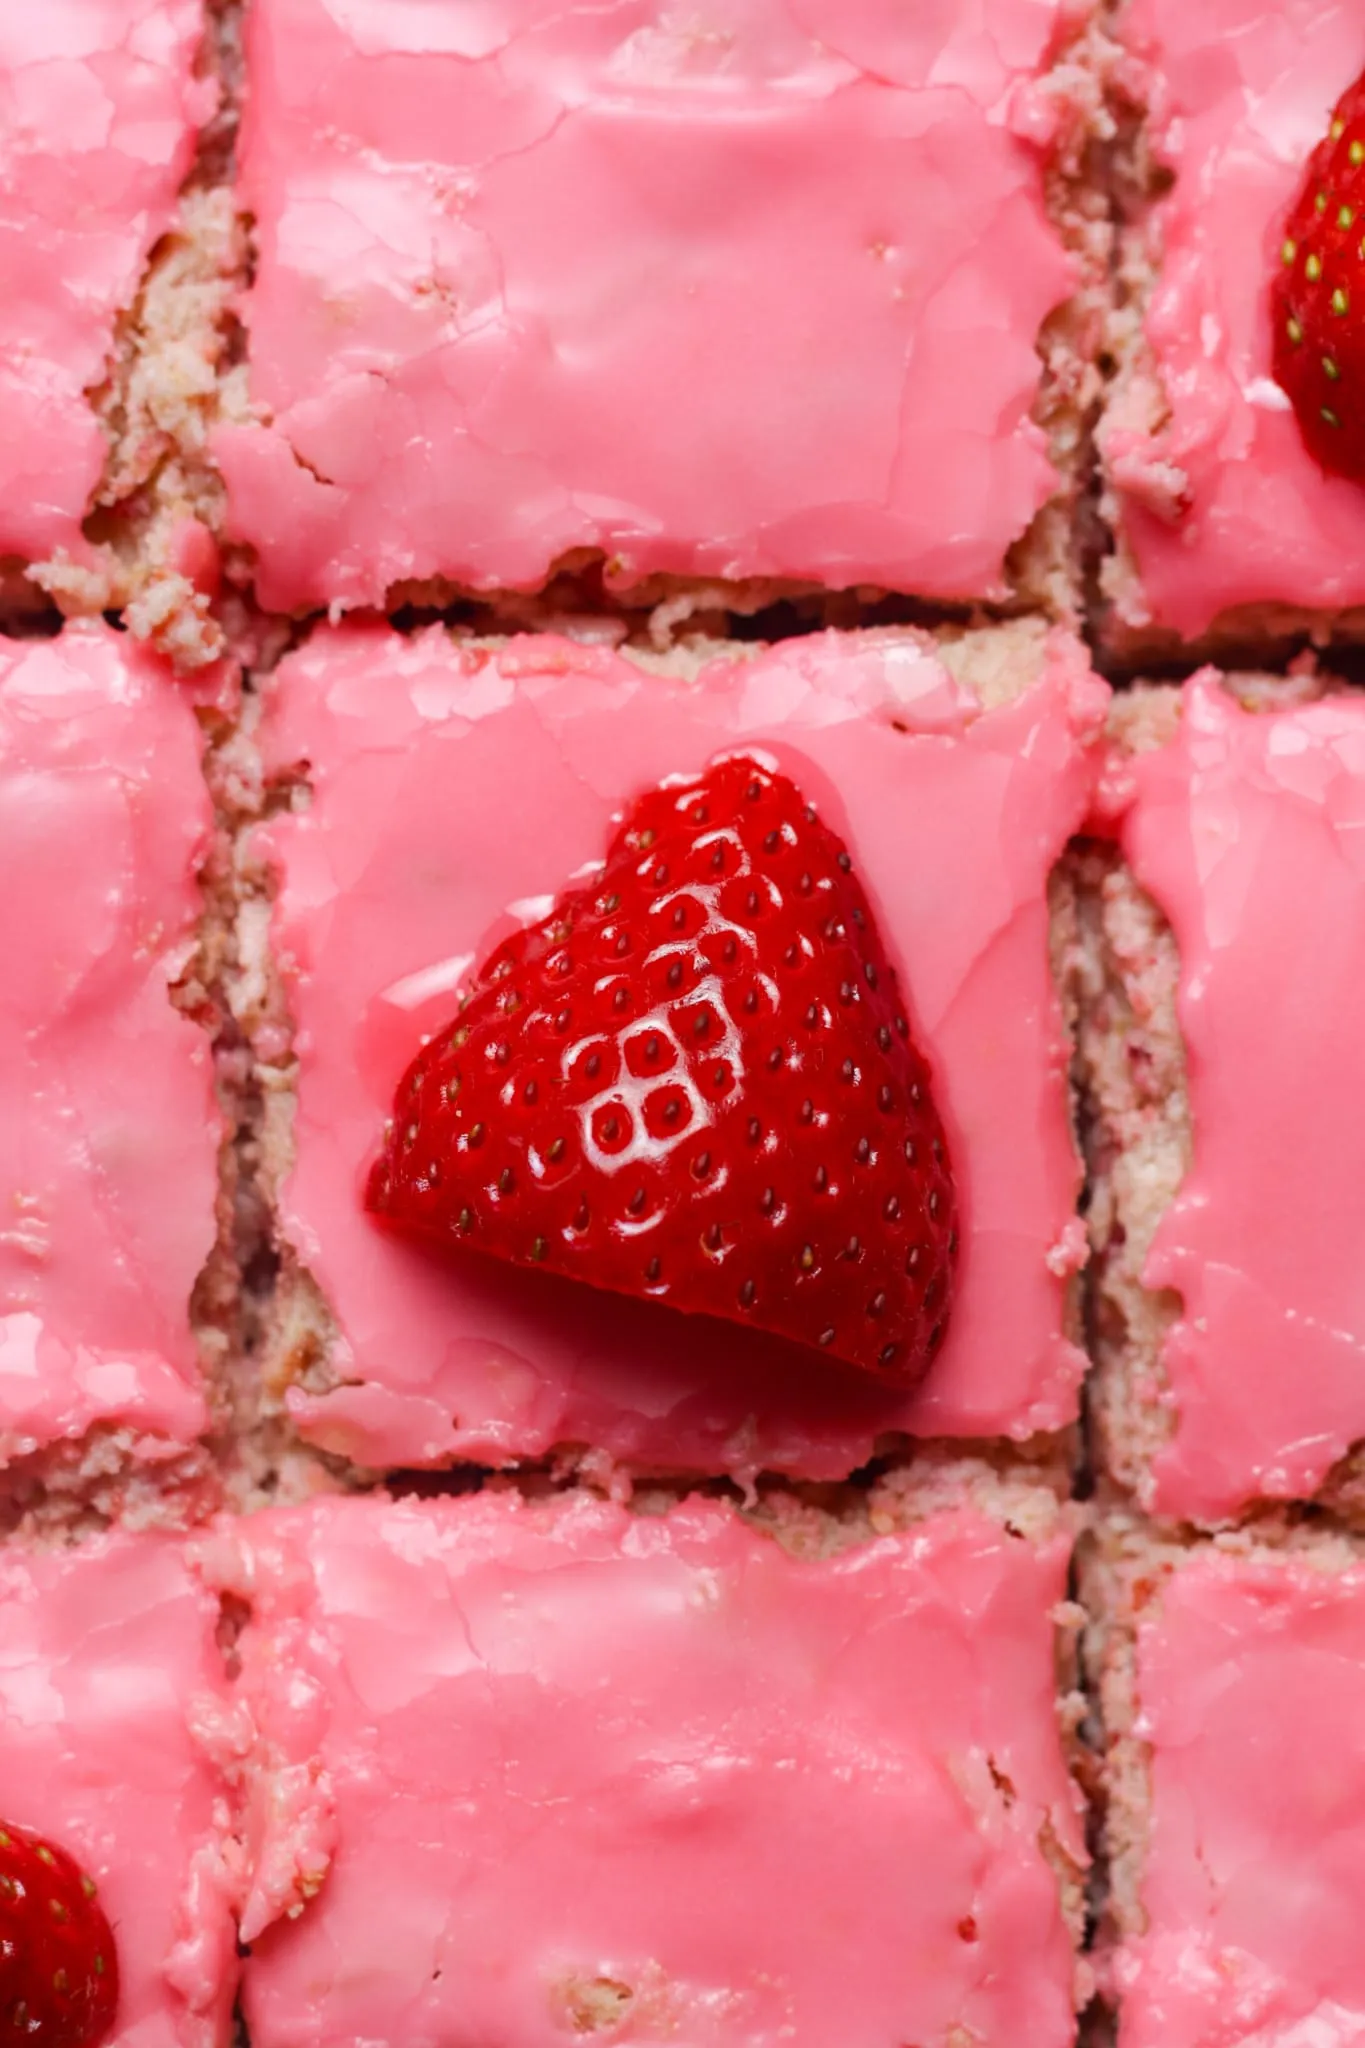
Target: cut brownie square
{"type": "Point", "coordinates": [741, 292]}
{"type": "Point", "coordinates": [524, 1772]}
{"type": "Point", "coordinates": [448, 785]}
{"type": "Point", "coordinates": [108, 1128]}
{"type": "Point", "coordinates": [99, 107]}
{"type": "Point", "coordinates": [109, 1665]}
{"type": "Point", "coordinates": [1228, 532]}
{"type": "Point", "coordinates": [1231, 1682]}
{"type": "Point", "coordinates": [1221, 1023]}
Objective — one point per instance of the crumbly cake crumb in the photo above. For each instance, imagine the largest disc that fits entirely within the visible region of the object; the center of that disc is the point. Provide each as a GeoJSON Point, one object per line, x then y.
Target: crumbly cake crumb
{"type": "Point", "coordinates": [1124, 969]}
{"type": "Point", "coordinates": [157, 512]}
{"type": "Point", "coordinates": [1049, 564]}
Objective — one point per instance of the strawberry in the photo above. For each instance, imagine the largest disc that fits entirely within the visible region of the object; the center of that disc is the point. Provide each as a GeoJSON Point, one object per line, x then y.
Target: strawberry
{"type": "Point", "coordinates": [1318, 296]}
{"type": "Point", "coordinates": [58, 1964]}
{"type": "Point", "coordinates": [694, 1081]}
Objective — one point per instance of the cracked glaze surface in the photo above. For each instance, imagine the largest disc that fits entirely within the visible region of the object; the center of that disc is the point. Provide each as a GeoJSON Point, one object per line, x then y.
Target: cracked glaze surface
{"type": "Point", "coordinates": [1221, 502]}
{"type": "Point", "coordinates": [1251, 1684]}
{"type": "Point", "coordinates": [448, 786]}
{"type": "Point", "coordinates": [732, 290]}
{"type": "Point", "coordinates": [98, 112]}
{"type": "Point", "coordinates": [1249, 831]}
{"type": "Point", "coordinates": [541, 1747]}
{"type": "Point", "coordinates": [106, 1093]}
{"type": "Point", "coordinates": [107, 1653]}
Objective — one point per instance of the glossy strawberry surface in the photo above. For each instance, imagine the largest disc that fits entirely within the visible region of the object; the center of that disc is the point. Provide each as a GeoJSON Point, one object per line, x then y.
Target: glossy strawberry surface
{"type": "Point", "coordinates": [1318, 295]}
{"type": "Point", "coordinates": [695, 1081]}
{"type": "Point", "coordinates": [58, 1964]}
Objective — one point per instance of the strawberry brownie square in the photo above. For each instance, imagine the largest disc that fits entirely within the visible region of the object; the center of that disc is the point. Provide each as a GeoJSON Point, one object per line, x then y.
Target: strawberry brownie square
{"type": "Point", "coordinates": [108, 1128]}
{"type": "Point", "coordinates": [1224, 1007]}
{"type": "Point", "coordinates": [427, 792]}
{"type": "Point", "coordinates": [525, 1772]}
{"type": "Point", "coordinates": [1231, 1681]}
{"type": "Point", "coordinates": [752, 292]}
{"type": "Point", "coordinates": [1227, 530]}
{"type": "Point", "coordinates": [99, 108]}
{"type": "Point", "coordinates": [110, 1675]}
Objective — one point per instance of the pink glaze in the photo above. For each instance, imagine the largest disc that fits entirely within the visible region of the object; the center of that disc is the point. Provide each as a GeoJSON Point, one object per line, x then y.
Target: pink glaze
{"type": "Point", "coordinates": [559, 1743]}
{"type": "Point", "coordinates": [108, 1130]}
{"type": "Point", "coordinates": [1251, 1683]}
{"type": "Point", "coordinates": [451, 785]}
{"type": "Point", "coordinates": [726, 290]}
{"type": "Point", "coordinates": [107, 1658]}
{"type": "Point", "coordinates": [1249, 830]}
{"type": "Point", "coordinates": [99, 106]}
{"type": "Point", "coordinates": [1222, 504]}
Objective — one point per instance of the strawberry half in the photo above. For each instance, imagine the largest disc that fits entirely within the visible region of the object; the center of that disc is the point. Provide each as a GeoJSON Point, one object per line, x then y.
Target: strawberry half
{"type": "Point", "coordinates": [694, 1081]}
{"type": "Point", "coordinates": [1318, 296]}
{"type": "Point", "coordinates": [58, 1964]}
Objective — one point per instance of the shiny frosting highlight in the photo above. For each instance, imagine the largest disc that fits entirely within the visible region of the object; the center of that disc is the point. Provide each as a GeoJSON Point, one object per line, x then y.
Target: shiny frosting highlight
{"type": "Point", "coordinates": [1220, 500]}
{"type": "Point", "coordinates": [1251, 1687]}
{"type": "Point", "coordinates": [518, 1765]}
{"type": "Point", "coordinates": [449, 787]}
{"type": "Point", "coordinates": [729, 290]}
{"type": "Point", "coordinates": [99, 107]}
{"type": "Point", "coordinates": [1249, 831]}
{"type": "Point", "coordinates": [107, 1657]}
{"type": "Point", "coordinates": [108, 1128]}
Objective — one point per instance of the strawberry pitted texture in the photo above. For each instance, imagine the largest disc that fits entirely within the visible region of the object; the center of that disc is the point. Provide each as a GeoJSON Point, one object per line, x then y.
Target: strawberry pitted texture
{"type": "Point", "coordinates": [1318, 297]}
{"type": "Point", "coordinates": [58, 1965]}
{"type": "Point", "coordinates": [695, 1081]}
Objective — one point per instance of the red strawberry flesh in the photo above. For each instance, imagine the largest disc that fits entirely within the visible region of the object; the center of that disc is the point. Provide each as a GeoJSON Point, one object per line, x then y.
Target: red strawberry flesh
{"type": "Point", "coordinates": [695, 1081]}
{"type": "Point", "coordinates": [58, 1964]}
{"type": "Point", "coordinates": [1318, 295]}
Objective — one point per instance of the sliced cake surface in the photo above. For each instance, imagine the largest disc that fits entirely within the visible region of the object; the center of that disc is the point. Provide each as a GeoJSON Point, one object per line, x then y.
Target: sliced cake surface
{"type": "Point", "coordinates": [1233, 1685]}
{"type": "Point", "coordinates": [451, 791]}
{"type": "Point", "coordinates": [1225, 522]}
{"type": "Point", "coordinates": [724, 291]}
{"type": "Point", "coordinates": [108, 1126]}
{"type": "Point", "coordinates": [1221, 1038]}
{"type": "Point", "coordinates": [481, 439]}
{"type": "Point", "coordinates": [532, 1772]}
{"type": "Point", "coordinates": [99, 107]}
{"type": "Point", "coordinates": [109, 1670]}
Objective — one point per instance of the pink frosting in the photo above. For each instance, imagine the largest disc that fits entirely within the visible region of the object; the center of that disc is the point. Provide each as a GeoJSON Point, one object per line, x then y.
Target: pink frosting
{"type": "Point", "coordinates": [1244, 830]}
{"type": "Point", "coordinates": [108, 1130]}
{"type": "Point", "coordinates": [774, 1800]}
{"type": "Point", "coordinates": [1222, 504]}
{"type": "Point", "coordinates": [451, 785]}
{"type": "Point", "coordinates": [1252, 1692]}
{"type": "Point", "coordinates": [107, 1653]}
{"type": "Point", "coordinates": [726, 289]}
{"type": "Point", "coordinates": [98, 111]}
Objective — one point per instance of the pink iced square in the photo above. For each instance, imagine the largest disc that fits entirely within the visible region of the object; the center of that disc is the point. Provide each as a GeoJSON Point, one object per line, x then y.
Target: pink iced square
{"type": "Point", "coordinates": [108, 1128]}
{"type": "Point", "coordinates": [450, 785]}
{"type": "Point", "coordinates": [1216, 496]}
{"type": "Point", "coordinates": [1249, 832]}
{"type": "Point", "coordinates": [1251, 1688]}
{"type": "Point", "coordinates": [99, 107]}
{"type": "Point", "coordinates": [108, 1658]}
{"type": "Point", "coordinates": [746, 288]}
{"type": "Point", "coordinates": [525, 1773]}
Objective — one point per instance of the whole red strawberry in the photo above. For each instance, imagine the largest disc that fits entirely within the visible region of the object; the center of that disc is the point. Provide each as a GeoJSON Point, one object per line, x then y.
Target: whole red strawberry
{"type": "Point", "coordinates": [1318, 297]}
{"type": "Point", "coordinates": [695, 1081]}
{"type": "Point", "coordinates": [58, 1965]}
